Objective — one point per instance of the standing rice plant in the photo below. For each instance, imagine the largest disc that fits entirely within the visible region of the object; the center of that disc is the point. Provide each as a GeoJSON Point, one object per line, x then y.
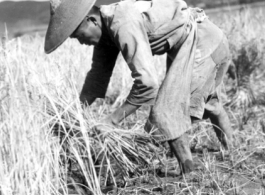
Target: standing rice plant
{"type": "Point", "coordinates": [45, 138]}
{"type": "Point", "coordinates": [30, 155]}
{"type": "Point", "coordinates": [26, 152]}
{"type": "Point", "coordinates": [245, 33]}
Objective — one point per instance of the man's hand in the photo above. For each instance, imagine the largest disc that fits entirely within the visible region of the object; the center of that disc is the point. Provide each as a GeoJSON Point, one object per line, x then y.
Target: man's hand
{"type": "Point", "coordinates": [122, 112]}
{"type": "Point", "coordinates": [111, 121]}
{"type": "Point", "coordinates": [104, 125]}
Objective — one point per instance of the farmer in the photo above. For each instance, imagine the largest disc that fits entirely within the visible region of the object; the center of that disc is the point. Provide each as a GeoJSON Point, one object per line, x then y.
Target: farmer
{"type": "Point", "coordinates": [197, 59]}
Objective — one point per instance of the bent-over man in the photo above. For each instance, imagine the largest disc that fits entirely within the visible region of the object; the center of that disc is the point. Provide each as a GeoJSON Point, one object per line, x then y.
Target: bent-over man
{"type": "Point", "coordinates": [197, 59]}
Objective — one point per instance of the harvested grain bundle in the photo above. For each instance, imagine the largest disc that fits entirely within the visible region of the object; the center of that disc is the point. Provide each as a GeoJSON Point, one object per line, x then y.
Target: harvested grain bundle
{"type": "Point", "coordinates": [113, 155]}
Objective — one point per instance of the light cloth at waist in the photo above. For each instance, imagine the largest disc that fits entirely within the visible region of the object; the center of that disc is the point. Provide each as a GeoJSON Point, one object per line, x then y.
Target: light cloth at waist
{"type": "Point", "coordinates": [143, 6]}
{"type": "Point", "coordinates": [168, 37]}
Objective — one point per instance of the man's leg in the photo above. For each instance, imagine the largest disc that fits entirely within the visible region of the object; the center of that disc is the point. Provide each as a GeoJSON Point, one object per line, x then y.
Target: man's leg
{"type": "Point", "coordinates": [220, 120]}
{"type": "Point", "coordinates": [180, 148]}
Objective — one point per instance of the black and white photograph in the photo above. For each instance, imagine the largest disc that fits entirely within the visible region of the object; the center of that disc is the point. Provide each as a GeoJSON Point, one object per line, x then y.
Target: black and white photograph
{"type": "Point", "coordinates": [132, 97]}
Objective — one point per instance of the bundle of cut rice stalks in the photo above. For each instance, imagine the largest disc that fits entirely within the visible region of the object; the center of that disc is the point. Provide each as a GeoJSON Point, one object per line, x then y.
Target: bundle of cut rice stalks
{"type": "Point", "coordinates": [113, 157]}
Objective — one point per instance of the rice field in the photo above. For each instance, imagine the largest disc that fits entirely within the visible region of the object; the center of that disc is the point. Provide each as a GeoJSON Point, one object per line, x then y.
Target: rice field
{"type": "Point", "coordinates": [47, 142]}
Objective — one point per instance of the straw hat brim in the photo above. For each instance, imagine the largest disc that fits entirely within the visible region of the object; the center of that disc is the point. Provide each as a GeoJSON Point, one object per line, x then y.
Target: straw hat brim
{"type": "Point", "coordinates": [66, 18]}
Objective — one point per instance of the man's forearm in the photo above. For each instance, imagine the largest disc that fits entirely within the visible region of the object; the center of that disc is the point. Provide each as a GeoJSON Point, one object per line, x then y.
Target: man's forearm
{"type": "Point", "coordinates": [125, 110]}
{"type": "Point", "coordinates": [118, 115]}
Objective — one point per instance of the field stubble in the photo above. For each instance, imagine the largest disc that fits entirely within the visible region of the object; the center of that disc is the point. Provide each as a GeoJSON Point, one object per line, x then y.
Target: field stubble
{"type": "Point", "coordinates": [39, 98]}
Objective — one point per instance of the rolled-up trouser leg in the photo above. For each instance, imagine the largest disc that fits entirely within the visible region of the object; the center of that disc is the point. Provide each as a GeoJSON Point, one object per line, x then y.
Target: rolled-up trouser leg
{"type": "Point", "coordinates": [220, 120]}
{"type": "Point", "coordinates": [181, 149]}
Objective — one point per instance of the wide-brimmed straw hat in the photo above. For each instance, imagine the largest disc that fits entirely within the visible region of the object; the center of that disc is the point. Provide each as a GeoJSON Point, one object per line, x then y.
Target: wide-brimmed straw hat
{"type": "Point", "coordinates": [65, 17]}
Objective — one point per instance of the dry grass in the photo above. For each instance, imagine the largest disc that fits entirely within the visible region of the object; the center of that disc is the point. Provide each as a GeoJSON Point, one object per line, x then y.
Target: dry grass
{"type": "Point", "coordinates": [47, 144]}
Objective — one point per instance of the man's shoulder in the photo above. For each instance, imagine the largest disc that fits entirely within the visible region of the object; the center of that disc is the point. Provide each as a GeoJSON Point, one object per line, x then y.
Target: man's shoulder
{"type": "Point", "coordinates": [107, 11]}
{"type": "Point", "coordinates": [119, 13]}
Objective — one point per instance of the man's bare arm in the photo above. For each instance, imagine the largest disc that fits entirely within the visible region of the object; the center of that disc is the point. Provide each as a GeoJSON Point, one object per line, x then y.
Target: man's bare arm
{"type": "Point", "coordinates": [122, 112]}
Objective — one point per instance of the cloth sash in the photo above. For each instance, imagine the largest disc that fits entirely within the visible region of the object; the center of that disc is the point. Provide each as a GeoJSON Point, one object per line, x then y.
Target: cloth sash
{"type": "Point", "coordinates": [171, 112]}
